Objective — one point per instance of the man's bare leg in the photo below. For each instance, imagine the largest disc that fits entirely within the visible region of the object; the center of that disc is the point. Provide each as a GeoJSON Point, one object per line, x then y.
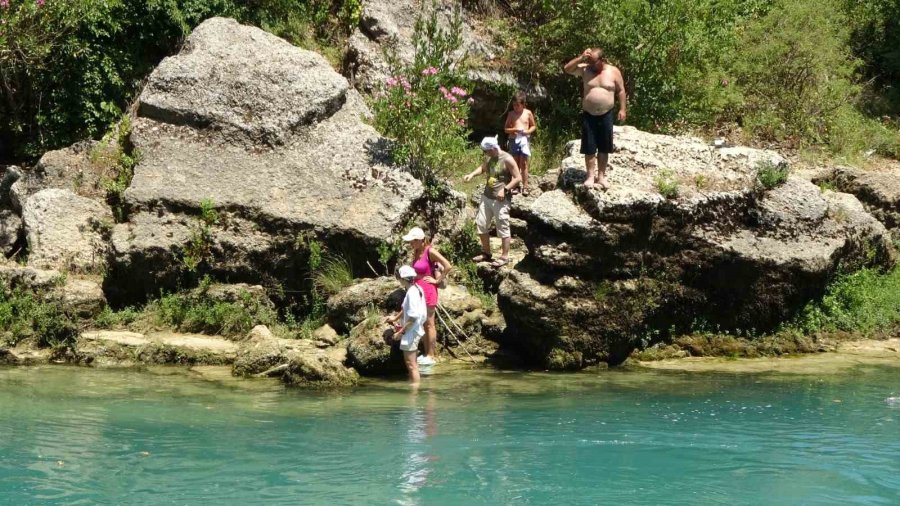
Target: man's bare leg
{"type": "Point", "coordinates": [601, 170]}
{"type": "Point", "coordinates": [590, 164]}
{"type": "Point", "coordinates": [504, 247]}
{"type": "Point", "coordinates": [485, 244]}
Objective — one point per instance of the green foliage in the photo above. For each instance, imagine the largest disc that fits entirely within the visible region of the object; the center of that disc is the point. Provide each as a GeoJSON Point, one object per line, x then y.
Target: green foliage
{"type": "Point", "coordinates": [23, 315]}
{"type": "Point", "coordinates": [111, 319]}
{"type": "Point", "coordinates": [770, 175]}
{"type": "Point", "coordinates": [666, 184]}
{"type": "Point", "coordinates": [424, 106]}
{"type": "Point", "coordinates": [113, 155]}
{"type": "Point", "coordinates": [866, 301]}
{"type": "Point", "coordinates": [199, 246]}
{"type": "Point", "coordinates": [333, 275]}
{"type": "Point", "coordinates": [197, 312]}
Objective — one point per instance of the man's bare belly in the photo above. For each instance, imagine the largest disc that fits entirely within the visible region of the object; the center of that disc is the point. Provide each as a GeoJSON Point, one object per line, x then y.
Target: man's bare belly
{"type": "Point", "coordinates": [598, 101]}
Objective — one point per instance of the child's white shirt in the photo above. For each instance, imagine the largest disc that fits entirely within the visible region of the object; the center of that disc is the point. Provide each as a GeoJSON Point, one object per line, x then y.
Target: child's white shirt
{"type": "Point", "coordinates": [414, 310]}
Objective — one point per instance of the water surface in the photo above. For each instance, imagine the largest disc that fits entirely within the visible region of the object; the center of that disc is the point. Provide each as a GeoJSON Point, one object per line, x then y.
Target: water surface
{"type": "Point", "coordinates": [88, 436]}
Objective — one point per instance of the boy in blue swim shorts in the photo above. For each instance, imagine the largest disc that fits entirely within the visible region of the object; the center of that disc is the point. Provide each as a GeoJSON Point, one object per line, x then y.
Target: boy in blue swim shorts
{"type": "Point", "coordinates": [520, 124]}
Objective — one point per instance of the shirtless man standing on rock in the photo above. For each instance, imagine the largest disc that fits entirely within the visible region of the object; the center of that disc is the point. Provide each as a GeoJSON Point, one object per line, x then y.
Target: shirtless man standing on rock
{"type": "Point", "coordinates": [602, 84]}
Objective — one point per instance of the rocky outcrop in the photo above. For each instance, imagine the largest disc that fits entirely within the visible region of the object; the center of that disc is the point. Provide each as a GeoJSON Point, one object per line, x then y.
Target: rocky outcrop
{"type": "Point", "coordinates": [610, 271]}
{"type": "Point", "coordinates": [81, 169]}
{"type": "Point", "coordinates": [125, 348]}
{"type": "Point", "coordinates": [274, 138]}
{"type": "Point", "coordinates": [296, 362]}
{"type": "Point", "coordinates": [372, 351]}
{"type": "Point", "coordinates": [66, 231]}
{"type": "Point", "coordinates": [350, 306]}
{"type": "Point", "coordinates": [878, 190]}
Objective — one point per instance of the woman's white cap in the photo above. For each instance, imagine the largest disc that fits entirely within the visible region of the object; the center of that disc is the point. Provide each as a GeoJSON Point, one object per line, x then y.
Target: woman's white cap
{"type": "Point", "coordinates": [413, 234]}
{"type": "Point", "coordinates": [407, 272]}
{"type": "Point", "coordinates": [489, 143]}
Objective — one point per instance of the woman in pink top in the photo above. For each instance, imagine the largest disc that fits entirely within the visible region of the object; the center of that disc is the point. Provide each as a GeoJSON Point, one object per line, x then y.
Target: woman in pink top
{"type": "Point", "coordinates": [424, 258]}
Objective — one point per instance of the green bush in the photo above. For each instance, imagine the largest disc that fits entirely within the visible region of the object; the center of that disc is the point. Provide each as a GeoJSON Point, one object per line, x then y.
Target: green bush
{"type": "Point", "coordinates": [196, 312]}
{"type": "Point", "coordinates": [866, 301]}
{"type": "Point", "coordinates": [770, 175]}
{"type": "Point", "coordinates": [666, 184]}
{"type": "Point", "coordinates": [24, 316]}
{"type": "Point", "coordinates": [334, 274]}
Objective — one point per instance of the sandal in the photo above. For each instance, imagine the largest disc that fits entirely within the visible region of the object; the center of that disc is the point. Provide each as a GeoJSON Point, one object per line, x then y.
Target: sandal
{"type": "Point", "coordinates": [525, 192]}
{"type": "Point", "coordinates": [500, 262]}
{"type": "Point", "coordinates": [484, 257]}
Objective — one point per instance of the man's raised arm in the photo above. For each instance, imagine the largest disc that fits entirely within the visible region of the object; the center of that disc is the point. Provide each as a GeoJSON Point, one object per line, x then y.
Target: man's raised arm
{"type": "Point", "coordinates": [572, 66]}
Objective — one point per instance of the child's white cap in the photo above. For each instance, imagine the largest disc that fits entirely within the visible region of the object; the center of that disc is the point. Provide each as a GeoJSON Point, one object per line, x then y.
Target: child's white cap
{"type": "Point", "coordinates": [407, 272]}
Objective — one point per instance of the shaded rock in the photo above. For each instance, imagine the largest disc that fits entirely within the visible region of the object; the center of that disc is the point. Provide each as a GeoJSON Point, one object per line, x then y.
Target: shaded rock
{"type": "Point", "coordinates": [66, 231]}
{"type": "Point", "coordinates": [10, 230]}
{"type": "Point", "coordinates": [879, 191]}
{"type": "Point", "coordinates": [607, 272]}
{"type": "Point", "coordinates": [11, 174]}
{"type": "Point", "coordinates": [285, 160]}
{"type": "Point", "coordinates": [81, 297]}
{"type": "Point", "coordinates": [7, 357]}
{"type": "Point", "coordinates": [80, 168]}
{"type": "Point", "coordinates": [325, 336]}
{"type": "Point", "coordinates": [348, 308]}
{"type": "Point", "coordinates": [372, 352]}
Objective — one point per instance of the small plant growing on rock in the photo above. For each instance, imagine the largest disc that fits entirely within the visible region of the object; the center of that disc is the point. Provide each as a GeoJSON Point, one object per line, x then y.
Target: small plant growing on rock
{"type": "Point", "coordinates": [667, 184]}
{"type": "Point", "coordinates": [199, 246]}
{"type": "Point", "coordinates": [771, 175]}
{"type": "Point", "coordinates": [335, 273]}
{"type": "Point", "coordinates": [701, 182]}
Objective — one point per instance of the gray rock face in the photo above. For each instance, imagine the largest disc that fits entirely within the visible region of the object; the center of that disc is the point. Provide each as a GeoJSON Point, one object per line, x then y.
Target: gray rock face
{"type": "Point", "coordinates": [218, 80]}
{"type": "Point", "coordinates": [298, 363]}
{"type": "Point", "coordinates": [373, 353]}
{"type": "Point", "coordinates": [610, 271]}
{"type": "Point", "coordinates": [10, 228]}
{"type": "Point", "coordinates": [80, 169]}
{"type": "Point", "coordinates": [66, 231]}
{"type": "Point", "coordinates": [878, 190]}
{"type": "Point", "coordinates": [275, 138]}
{"type": "Point", "coordinates": [348, 308]}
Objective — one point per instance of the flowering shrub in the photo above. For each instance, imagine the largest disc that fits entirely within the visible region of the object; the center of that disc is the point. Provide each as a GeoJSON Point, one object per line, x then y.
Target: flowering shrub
{"type": "Point", "coordinates": [426, 114]}
{"type": "Point", "coordinates": [424, 106]}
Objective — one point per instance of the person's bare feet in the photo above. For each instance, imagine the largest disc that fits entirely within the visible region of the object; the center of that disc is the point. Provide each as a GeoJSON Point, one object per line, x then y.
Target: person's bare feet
{"type": "Point", "coordinates": [589, 182]}
{"type": "Point", "coordinates": [603, 183]}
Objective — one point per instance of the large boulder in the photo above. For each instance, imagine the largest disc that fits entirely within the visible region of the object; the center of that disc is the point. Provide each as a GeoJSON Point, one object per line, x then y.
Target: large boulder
{"type": "Point", "coordinates": [610, 271]}
{"type": "Point", "coordinates": [10, 229]}
{"type": "Point", "coordinates": [372, 352]}
{"type": "Point", "coordinates": [274, 138]}
{"type": "Point", "coordinates": [66, 231]}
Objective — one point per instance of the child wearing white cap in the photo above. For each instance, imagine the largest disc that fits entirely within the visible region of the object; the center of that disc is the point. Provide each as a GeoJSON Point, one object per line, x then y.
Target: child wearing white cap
{"type": "Point", "coordinates": [413, 314]}
{"type": "Point", "coordinates": [502, 176]}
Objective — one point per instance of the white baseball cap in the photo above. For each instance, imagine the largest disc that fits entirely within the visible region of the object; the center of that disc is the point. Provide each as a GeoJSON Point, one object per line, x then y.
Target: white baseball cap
{"type": "Point", "coordinates": [406, 272]}
{"type": "Point", "coordinates": [413, 234]}
{"type": "Point", "coordinates": [489, 143]}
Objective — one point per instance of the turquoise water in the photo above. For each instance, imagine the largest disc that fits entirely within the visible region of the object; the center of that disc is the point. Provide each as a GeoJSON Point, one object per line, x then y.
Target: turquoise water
{"type": "Point", "coordinates": [85, 436]}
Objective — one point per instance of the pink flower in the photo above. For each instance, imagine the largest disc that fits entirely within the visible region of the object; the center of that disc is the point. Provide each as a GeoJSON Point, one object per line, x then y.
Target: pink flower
{"type": "Point", "coordinates": [451, 98]}
{"type": "Point", "coordinates": [458, 91]}
{"type": "Point", "coordinates": [461, 122]}
{"type": "Point", "coordinates": [4, 4]}
{"type": "Point", "coordinates": [443, 90]}
{"type": "Point", "coordinates": [39, 3]}
{"type": "Point", "coordinates": [471, 100]}
{"type": "Point", "coordinates": [391, 81]}
{"type": "Point", "coordinates": [430, 71]}
{"type": "Point", "coordinates": [724, 82]}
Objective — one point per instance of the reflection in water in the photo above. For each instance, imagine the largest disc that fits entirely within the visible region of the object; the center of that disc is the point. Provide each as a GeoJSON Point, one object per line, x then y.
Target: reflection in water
{"type": "Point", "coordinates": [420, 424]}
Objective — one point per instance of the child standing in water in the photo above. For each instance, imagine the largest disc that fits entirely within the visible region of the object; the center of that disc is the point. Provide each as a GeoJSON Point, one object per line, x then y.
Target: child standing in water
{"type": "Point", "coordinates": [519, 126]}
{"type": "Point", "coordinates": [411, 329]}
